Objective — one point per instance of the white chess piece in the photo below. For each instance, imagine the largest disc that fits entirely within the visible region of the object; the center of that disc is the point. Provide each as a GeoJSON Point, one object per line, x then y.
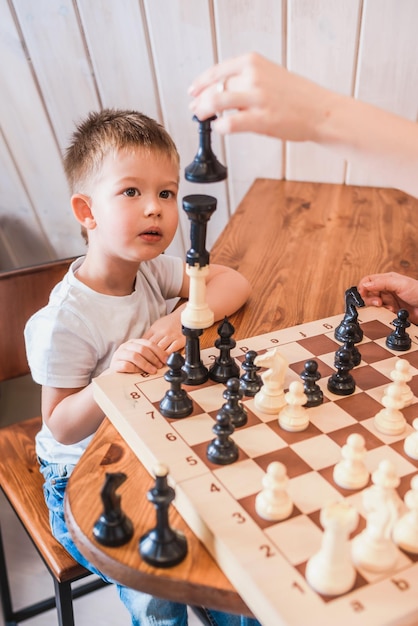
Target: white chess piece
{"type": "Point", "coordinates": [373, 549]}
{"type": "Point", "coordinates": [273, 502]}
{"type": "Point", "coordinates": [294, 416]}
{"type": "Point", "coordinates": [401, 375]}
{"type": "Point", "coordinates": [351, 472]}
{"type": "Point", "coordinates": [390, 420]}
{"type": "Point", "coordinates": [331, 571]}
{"type": "Point", "coordinates": [197, 313]}
{"type": "Point", "coordinates": [410, 445]}
{"type": "Point", "coordinates": [405, 531]}
{"type": "Point", "coordinates": [270, 399]}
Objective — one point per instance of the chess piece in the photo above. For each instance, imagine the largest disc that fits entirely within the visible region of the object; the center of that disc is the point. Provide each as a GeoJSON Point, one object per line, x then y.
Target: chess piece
{"type": "Point", "coordinates": [224, 366]}
{"type": "Point", "coordinates": [162, 546]}
{"type": "Point", "coordinates": [251, 381]}
{"type": "Point", "coordinates": [405, 530]}
{"type": "Point", "coordinates": [401, 375]}
{"type": "Point", "coordinates": [222, 450]}
{"type": "Point", "coordinates": [294, 416]}
{"type": "Point", "coordinates": [390, 420]}
{"type": "Point", "coordinates": [351, 472]}
{"type": "Point", "coordinates": [205, 167]}
{"type": "Point", "coordinates": [350, 333]}
{"type": "Point", "coordinates": [270, 399]}
{"type": "Point", "coordinates": [399, 338]}
{"type": "Point", "coordinates": [197, 373]}
{"type": "Point", "coordinates": [331, 571]}
{"type": "Point", "coordinates": [313, 392]}
{"type": "Point", "coordinates": [373, 549]}
{"type": "Point", "coordinates": [113, 528]}
{"type": "Point", "coordinates": [176, 403]}
{"type": "Point", "coordinates": [273, 502]}
{"type": "Point", "coordinates": [233, 405]}
{"type": "Point", "coordinates": [352, 300]}
{"type": "Point", "coordinates": [410, 445]}
{"type": "Point", "coordinates": [196, 313]}
{"type": "Point", "coordinates": [341, 382]}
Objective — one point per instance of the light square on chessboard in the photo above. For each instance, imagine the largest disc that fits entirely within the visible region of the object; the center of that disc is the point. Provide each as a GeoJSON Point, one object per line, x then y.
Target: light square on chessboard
{"type": "Point", "coordinates": [195, 429]}
{"type": "Point", "coordinates": [298, 537]}
{"type": "Point", "coordinates": [311, 492]}
{"type": "Point", "coordinates": [258, 440]}
{"type": "Point", "coordinates": [318, 452]}
{"type": "Point", "coordinates": [243, 481]}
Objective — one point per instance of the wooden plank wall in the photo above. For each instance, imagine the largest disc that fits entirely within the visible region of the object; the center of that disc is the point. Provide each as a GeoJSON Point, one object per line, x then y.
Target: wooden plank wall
{"type": "Point", "coordinates": [61, 58]}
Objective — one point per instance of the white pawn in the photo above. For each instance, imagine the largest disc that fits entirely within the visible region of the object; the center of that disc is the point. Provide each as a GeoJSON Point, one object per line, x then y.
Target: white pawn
{"type": "Point", "coordinates": [390, 420]}
{"type": "Point", "coordinates": [373, 549]}
{"type": "Point", "coordinates": [273, 502]}
{"type": "Point", "coordinates": [294, 416]}
{"type": "Point", "coordinates": [401, 376]}
{"type": "Point", "coordinates": [405, 531]}
{"type": "Point", "coordinates": [331, 571]}
{"type": "Point", "coordinates": [351, 472]}
{"type": "Point", "coordinates": [410, 445]}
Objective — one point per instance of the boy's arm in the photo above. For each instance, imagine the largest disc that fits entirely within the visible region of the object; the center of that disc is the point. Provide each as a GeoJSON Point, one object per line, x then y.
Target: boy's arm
{"type": "Point", "coordinates": [226, 291]}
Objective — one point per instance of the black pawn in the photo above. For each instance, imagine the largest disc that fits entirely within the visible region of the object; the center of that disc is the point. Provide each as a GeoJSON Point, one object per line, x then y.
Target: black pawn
{"type": "Point", "coordinates": [399, 338]}
{"type": "Point", "coordinates": [341, 382]}
{"type": "Point", "coordinates": [251, 381]}
{"type": "Point", "coordinates": [222, 450]}
{"type": "Point", "coordinates": [176, 402]}
{"type": "Point", "coordinates": [224, 366]}
{"type": "Point", "coordinates": [205, 167]}
{"type": "Point", "coordinates": [349, 344]}
{"type": "Point", "coordinates": [162, 546]}
{"type": "Point", "coordinates": [197, 373]}
{"type": "Point", "coordinates": [113, 528]}
{"type": "Point", "coordinates": [233, 406]}
{"type": "Point", "coordinates": [313, 391]}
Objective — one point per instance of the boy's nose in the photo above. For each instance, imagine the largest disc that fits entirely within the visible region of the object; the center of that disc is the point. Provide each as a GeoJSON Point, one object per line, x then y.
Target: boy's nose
{"type": "Point", "coordinates": [152, 208]}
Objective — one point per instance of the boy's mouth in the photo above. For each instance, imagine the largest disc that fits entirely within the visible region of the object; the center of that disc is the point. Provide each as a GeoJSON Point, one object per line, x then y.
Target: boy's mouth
{"type": "Point", "coordinates": [151, 234]}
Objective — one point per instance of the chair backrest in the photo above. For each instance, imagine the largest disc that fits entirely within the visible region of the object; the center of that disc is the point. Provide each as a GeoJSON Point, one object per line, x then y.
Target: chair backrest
{"type": "Point", "coordinates": [22, 293]}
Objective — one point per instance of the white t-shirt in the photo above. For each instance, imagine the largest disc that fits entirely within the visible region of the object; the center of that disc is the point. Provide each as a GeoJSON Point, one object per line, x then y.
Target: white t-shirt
{"type": "Point", "coordinates": [72, 339]}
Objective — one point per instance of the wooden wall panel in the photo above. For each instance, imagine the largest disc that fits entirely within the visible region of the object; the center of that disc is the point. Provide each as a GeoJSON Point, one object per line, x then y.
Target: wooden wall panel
{"type": "Point", "coordinates": [387, 74]}
{"type": "Point", "coordinates": [256, 26]}
{"type": "Point", "coordinates": [321, 45]}
{"type": "Point", "coordinates": [61, 59]}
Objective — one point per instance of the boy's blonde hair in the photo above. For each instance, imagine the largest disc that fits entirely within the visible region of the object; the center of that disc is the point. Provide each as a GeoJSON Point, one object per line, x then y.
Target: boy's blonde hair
{"type": "Point", "coordinates": [108, 131]}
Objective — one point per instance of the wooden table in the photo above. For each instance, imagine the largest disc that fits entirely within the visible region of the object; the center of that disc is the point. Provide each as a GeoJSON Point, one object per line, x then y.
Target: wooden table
{"type": "Point", "coordinates": [301, 245]}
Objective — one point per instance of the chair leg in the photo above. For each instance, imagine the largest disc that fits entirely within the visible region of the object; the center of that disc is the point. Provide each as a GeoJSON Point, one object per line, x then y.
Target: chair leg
{"type": "Point", "coordinates": [6, 600]}
{"type": "Point", "coordinates": [64, 603]}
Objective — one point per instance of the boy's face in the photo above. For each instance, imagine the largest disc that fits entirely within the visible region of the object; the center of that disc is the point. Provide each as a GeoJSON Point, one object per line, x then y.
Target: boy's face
{"type": "Point", "coordinates": [134, 204]}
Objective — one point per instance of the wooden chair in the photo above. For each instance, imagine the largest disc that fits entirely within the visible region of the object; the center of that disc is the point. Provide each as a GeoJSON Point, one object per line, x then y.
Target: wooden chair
{"type": "Point", "coordinates": [22, 292]}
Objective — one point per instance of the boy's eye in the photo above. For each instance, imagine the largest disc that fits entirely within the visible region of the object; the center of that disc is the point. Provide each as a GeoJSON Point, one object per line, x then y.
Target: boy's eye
{"type": "Point", "coordinates": [166, 194]}
{"type": "Point", "coordinates": [131, 192]}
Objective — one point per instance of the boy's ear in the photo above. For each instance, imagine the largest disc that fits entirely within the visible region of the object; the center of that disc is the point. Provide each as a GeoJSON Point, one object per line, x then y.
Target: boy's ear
{"type": "Point", "coordinates": [82, 210]}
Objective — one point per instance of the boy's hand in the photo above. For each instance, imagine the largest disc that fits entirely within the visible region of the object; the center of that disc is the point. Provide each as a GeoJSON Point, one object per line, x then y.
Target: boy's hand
{"type": "Point", "coordinates": [391, 290]}
{"type": "Point", "coordinates": [138, 355]}
{"type": "Point", "coordinates": [166, 333]}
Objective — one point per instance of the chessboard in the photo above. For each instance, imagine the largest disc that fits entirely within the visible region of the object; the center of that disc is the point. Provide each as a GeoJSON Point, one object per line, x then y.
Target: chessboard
{"type": "Point", "coordinates": [266, 560]}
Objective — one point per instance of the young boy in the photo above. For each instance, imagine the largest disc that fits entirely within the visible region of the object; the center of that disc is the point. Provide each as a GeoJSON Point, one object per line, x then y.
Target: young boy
{"type": "Point", "coordinates": [393, 291]}
{"type": "Point", "coordinates": [109, 313]}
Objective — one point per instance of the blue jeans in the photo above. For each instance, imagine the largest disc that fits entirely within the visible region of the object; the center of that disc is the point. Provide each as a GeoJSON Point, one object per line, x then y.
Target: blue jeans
{"type": "Point", "coordinates": [145, 610]}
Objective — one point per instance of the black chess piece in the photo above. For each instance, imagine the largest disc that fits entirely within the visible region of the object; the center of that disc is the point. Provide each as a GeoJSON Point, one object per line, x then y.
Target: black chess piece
{"type": "Point", "coordinates": [352, 300]}
{"type": "Point", "coordinates": [197, 373]}
{"type": "Point", "coordinates": [233, 395]}
{"type": "Point", "coordinates": [349, 343]}
{"type": "Point", "coordinates": [312, 391]}
{"type": "Point", "coordinates": [176, 403]}
{"type": "Point", "coordinates": [199, 209]}
{"type": "Point", "coordinates": [113, 528]}
{"type": "Point", "coordinates": [399, 339]}
{"type": "Point", "coordinates": [224, 366]}
{"type": "Point", "coordinates": [251, 381]}
{"type": "Point", "coordinates": [222, 450]}
{"type": "Point", "coordinates": [341, 382]}
{"type": "Point", "coordinates": [162, 546]}
{"type": "Point", "coordinates": [205, 167]}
